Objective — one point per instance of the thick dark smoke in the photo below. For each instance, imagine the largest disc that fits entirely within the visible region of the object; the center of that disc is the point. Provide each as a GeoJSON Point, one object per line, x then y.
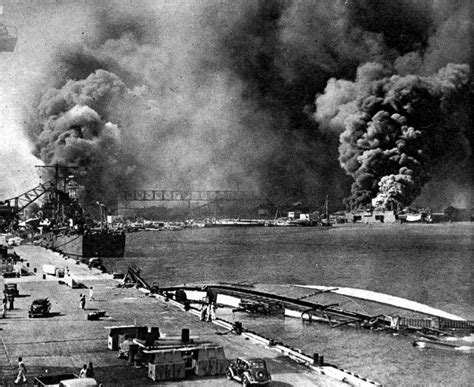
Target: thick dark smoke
{"type": "Point", "coordinates": [397, 129]}
{"type": "Point", "coordinates": [406, 120]}
{"type": "Point", "coordinates": [212, 95]}
{"type": "Point", "coordinates": [76, 132]}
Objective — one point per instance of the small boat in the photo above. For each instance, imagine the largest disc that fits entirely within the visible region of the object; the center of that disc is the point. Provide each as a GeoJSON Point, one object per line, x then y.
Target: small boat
{"type": "Point", "coordinates": [427, 343]}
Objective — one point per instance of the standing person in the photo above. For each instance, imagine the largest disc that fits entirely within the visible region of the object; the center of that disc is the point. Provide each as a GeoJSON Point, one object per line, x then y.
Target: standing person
{"type": "Point", "coordinates": [212, 299]}
{"type": "Point", "coordinates": [11, 299]}
{"type": "Point", "coordinates": [21, 372]}
{"type": "Point", "coordinates": [91, 294]}
{"type": "Point", "coordinates": [82, 373]}
{"type": "Point", "coordinates": [4, 302]}
{"type": "Point", "coordinates": [82, 301]}
{"type": "Point", "coordinates": [203, 312]}
{"type": "Point", "coordinates": [211, 312]}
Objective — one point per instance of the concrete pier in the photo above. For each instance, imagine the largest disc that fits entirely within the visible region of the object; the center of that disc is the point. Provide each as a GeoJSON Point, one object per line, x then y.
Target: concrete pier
{"type": "Point", "coordinates": [65, 340]}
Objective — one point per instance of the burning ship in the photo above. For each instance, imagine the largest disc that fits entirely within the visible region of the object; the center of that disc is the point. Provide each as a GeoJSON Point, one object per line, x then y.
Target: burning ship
{"type": "Point", "coordinates": [62, 225]}
{"type": "Point", "coordinates": [66, 229]}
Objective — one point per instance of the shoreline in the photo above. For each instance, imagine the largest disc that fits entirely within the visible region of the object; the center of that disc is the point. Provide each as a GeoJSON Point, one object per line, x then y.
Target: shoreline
{"type": "Point", "coordinates": [65, 340]}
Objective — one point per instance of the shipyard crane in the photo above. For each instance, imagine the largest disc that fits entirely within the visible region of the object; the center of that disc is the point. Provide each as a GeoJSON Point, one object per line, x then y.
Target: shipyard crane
{"type": "Point", "coordinates": [9, 208]}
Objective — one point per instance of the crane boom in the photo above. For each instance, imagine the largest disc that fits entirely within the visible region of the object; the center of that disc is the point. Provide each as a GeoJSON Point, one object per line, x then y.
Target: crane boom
{"type": "Point", "coordinates": [20, 202]}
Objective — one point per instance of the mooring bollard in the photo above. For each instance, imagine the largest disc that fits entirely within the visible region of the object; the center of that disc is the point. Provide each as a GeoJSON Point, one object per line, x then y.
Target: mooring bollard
{"type": "Point", "coordinates": [155, 332]}
{"type": "Point", "coordinates": [44, 276]}
{"type": "Point", "coordinates": [315, 358]}
{"type": "Point", "coordinates": [321, 360]}
{"type": "Point", "coordinates": [185, 335]}
{"type": "Point", "coordinates": [152, 335]}
{"type": "Point", "coordinates": [27, 264]}
{"type": "Point", "coordinates": [238, 328]}
{"type": "Point", "coordinates": [35, 270]}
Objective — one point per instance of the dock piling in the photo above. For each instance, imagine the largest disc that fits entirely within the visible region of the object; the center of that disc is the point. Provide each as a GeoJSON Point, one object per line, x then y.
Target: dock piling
{"type": "Point", "coordinates": [238, 328]}
{"type": "Point", "coordinates": [315, 358]}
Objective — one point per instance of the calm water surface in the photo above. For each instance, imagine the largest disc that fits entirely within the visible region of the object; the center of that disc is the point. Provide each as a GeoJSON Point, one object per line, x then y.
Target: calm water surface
{"type": "Point", "coordinates": [431, 264]}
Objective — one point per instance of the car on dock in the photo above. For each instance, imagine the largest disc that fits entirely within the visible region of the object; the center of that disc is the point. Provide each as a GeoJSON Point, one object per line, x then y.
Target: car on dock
{"type": "Point", "coordinates": [249, 371]}
{"type": "Point", "coordinates": [39, 308]}
{"type": "Point", "coordinates": [95, 262]}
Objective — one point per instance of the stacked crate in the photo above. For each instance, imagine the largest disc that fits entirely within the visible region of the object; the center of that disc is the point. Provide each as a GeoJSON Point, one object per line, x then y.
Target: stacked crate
{"type": "Point", "coordinates": [167, 364]}
{"type": "Point", "coordinates": [211, 361]}
{"type": "Point", "coordinates": [201, 367]}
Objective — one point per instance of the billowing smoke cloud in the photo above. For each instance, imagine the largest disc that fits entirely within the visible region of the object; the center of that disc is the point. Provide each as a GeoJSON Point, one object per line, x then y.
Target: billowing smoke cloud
{"type": "Point", "coordinates": [397, 129]}
{"type": "Point", "coordinates": [406, 119]}
{"type": "Point", "coordinates": [212, 95]}
{"type": "Point", "coordinates": [74, 130]}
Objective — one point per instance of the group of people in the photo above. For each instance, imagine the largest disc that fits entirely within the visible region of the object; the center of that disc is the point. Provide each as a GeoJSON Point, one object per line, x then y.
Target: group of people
{"type": "Point", "coordinates": [208, 311]}
{"type": "Point", "coordinates": [82, 298]}
{"type": "Point", "coordinates": [87, 371]}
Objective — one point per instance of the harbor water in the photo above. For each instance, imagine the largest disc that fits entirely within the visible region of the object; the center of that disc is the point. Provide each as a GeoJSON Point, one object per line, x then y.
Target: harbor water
{"type": "Point", "coordinates": [428, 263]}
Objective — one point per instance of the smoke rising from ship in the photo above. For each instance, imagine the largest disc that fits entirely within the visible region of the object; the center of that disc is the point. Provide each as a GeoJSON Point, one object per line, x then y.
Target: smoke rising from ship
{"type": "Point", "coordinates": [76, 132]}
{"type": "Point", "coordinates": [212, 95]}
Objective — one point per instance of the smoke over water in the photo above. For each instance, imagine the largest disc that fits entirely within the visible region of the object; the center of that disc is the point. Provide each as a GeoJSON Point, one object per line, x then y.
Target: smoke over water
{"type": "Point", "coordinates": [397, 130]}
{"type": "Point", "coordinates": [212, 95]}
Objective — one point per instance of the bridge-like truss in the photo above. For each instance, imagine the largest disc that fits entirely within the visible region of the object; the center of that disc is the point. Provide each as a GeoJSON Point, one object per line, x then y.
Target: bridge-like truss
{"type": "Point", "coordinates": [183, 195]}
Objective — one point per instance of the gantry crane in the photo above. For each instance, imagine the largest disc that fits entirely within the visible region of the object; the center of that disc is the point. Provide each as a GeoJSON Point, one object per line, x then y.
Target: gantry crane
{"type": "Point", "coordinates": [9, 208]}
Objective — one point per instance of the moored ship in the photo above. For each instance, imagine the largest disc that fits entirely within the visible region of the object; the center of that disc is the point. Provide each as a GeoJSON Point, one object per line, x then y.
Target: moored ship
{"type": "Point", "coordinates": [90, 243]}
{"type": "Point", "coordinates": [61, 224]}
{"type": "Point", "coordinates": [68, 231]}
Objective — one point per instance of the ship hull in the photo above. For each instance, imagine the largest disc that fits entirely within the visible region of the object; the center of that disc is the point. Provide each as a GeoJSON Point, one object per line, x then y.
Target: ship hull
{"type": "Point", "coordinates": [99, 244]}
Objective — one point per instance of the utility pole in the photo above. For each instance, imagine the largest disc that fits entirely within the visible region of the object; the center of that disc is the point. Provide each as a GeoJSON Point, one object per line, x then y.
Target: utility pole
{"type": "Point", "coordinates": [327, 209]}
{"type": "Point", "coordinates": [101, 209]}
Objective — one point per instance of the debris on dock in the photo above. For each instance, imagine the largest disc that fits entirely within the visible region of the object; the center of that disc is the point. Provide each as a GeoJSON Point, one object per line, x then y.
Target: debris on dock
{"type": "Point", "coordinates": [167, 358]}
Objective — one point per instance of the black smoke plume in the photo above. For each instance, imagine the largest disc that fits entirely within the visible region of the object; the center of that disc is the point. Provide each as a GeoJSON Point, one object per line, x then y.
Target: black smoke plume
{"type": "Point", "coordinates": [213, 95]}
{"type": "Point", "coordinates": [76, 131]}
{"type": "Point", "coordinates": [398, 130]}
